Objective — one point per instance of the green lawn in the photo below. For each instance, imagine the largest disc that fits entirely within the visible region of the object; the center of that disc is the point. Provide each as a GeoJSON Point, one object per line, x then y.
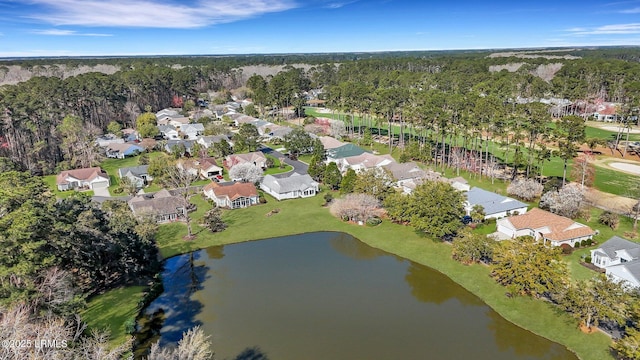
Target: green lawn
{"type": "Point", "coordinates": [112, 309]}
{"type": "Point", "coordinates": [50, 181]}
{"type": "Point", "coordinates": [276, 167]}
{"type": "Point", "coordinates": [614, 182]}
{"type": "Point", "coordinates": [595, 132]}
{"type": "Point", "coordinates": [111, 166]}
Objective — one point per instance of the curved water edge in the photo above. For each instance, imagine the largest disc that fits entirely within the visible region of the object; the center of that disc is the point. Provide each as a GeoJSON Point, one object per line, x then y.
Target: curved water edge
{"type": "Point", "coordinates": [359, 301]}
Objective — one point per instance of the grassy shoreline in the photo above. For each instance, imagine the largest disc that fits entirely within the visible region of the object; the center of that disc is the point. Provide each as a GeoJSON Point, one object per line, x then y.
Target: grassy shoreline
{"type": "Point", "coordinates": [308, 215]}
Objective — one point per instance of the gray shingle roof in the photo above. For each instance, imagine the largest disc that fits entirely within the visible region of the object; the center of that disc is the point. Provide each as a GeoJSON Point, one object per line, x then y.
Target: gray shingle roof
{"type": "Point", "coordinates": [617, 243]}
{"type": "Point", "coordinates": [491, 202]}
{"type": "Point", "coordinates": [295, 182]}
{"type": "Point", "coordinates": [160, 203]}
{"type": "Point", "coordinates": [632, 267]}
{"type": "Point", "coordinates": [135, 171]}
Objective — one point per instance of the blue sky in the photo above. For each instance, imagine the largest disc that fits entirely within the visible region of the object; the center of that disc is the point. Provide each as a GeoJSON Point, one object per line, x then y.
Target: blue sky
{"type": "Point", "coordinates": [172, 27]}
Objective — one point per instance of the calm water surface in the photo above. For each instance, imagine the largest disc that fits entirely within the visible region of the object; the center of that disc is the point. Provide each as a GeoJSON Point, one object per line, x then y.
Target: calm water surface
{"type": "Point", "coordinates": [330, 296]}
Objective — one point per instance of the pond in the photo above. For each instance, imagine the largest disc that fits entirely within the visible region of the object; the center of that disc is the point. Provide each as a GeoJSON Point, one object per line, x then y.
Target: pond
{"type": "Point", "coordinates": [329, 296]}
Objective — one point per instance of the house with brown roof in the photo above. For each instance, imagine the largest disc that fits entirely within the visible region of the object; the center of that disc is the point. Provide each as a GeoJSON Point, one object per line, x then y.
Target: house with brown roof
{"type": "Point", "coordinates": [552, 229]}
{"type": "Point", "coordinates": [405, 172]}
{"type": "Point", "coordinates": [162, 205]}
{"type": "Point", "coordinates": [205, 167]}
{"type": "Point", "coordinates": [232, 195]}
{"type": "Point", "coordinates": [87, 178]}
{"type": "Point", "coordinates": [256, 158]}
{"type": "Point", "coordinates": [330, 142]}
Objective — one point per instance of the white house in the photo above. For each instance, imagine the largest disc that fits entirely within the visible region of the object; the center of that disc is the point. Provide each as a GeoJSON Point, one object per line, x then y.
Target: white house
{"type": "Point", "coordinates": [209, 140]}
{"type": "Point", "coordinates": [405, 173]}
{"type": "Point", "coordinates": [495, 205]}
{"type": "Point", "coordinates": [291, 187]}
{"type": "Point", "coordinates": [206, 167]}
{"type": "Point", "coordinates": [169, 132]}
{"type": "Point", "coordinates": [615, 251]}
{"type": "Point", "coordinates": [138, 175]}
{"type": "Point", "coordinates": [192, 131]}
{"type": "Point", "coordinates": [162, 205]}
{"type": "Point", "coordinates": [120, 151]}
{"type": "Point", "coordinates": [621, 260]}
{"type": "Point", "coordinates": [256, 158]}
{"type": "Point", "coordinates": [363, 162]}
{"type": "Point", "coordinates": [543, 225]}
{"type": "Point", "coordinates": [232, 195]}
{"type": "Point", "coordinates": [107, 139]}
{"type": "Point", "coordinates": [627, 273]}
{"type": "Point", "coordinates": [89, 178]}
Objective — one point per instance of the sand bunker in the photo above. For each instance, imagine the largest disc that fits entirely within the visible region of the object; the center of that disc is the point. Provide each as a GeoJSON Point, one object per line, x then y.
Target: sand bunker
{"type": "Point", "coordinates": [626, 167]}
{"type": "Point", "coordinates": [615, 129]}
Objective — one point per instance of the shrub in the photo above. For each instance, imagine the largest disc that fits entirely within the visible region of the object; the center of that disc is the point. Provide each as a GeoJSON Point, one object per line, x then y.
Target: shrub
{"type": "Point", "coordinates": [566, 249]}
{"type": "Point", "coordinates": [587, 259]}
{"type": "Point", "coordinates": [130, 326]}
{"type": "Point", "coordinates": [327, 198]}
{"type": "Point", "coordinates": [610, 219]}
{"type": "Point", "coordinates": [585, 213]}
{"type": "Point", "coordinates": [374, 221]}
{"type": "Point", "coordinates": [584, 243]}
{"type": "Point", "coordinates": [552, 184]}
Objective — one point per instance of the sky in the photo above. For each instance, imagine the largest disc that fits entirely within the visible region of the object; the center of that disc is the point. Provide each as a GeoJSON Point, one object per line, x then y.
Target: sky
{"type": "Point", "coordinates": [217, 27]}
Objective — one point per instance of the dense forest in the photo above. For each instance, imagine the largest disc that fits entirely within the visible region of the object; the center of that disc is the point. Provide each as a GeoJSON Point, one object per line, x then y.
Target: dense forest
{"type": "Point", "coordinates": [438, 93]}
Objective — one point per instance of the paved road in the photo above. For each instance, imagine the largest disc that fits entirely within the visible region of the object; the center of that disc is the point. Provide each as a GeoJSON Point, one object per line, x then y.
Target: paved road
{"type": "Point", "coordinates": [298, 166]}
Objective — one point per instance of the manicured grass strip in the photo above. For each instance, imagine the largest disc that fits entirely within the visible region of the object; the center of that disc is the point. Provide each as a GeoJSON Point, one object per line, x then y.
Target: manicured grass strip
{"type": "Point", "coordinates": [112, 309]}
{"type": "Point", "coordinates": [595, 132]}
{"type": "Point", "coordinates": [276, 167]}
{"type": "Point", "coordinates": [614, 182]}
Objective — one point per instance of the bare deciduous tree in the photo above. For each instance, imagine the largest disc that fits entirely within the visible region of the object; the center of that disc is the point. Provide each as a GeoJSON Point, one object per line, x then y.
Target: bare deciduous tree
{"type": "Point", "coordinates": [64, 339]}
{"type": "Point", "coordinates": [194, 345]}
{"type": "Point", "coordinates": [182, 179]}
{"type": "Point", "coordinates": [567, 201]}
{"type": "Point", "coordinates": [356, 207]}
{"type": "Point", "coordinates": [247, 172]}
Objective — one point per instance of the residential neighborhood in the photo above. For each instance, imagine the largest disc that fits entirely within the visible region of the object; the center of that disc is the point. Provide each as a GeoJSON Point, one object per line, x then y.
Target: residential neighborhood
{"type": "Point", "coordinates": [528, 203]}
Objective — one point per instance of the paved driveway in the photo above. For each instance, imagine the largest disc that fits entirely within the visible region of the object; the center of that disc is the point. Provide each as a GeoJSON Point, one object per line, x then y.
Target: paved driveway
{"type": "Point", "coordinates": [298, 166]}
{"type": "Point", "coordinates": [103, 192]}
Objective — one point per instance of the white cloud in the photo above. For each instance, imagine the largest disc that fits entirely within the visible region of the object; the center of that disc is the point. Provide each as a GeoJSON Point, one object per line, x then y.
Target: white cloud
{"type": "Point", "coordinates": [338, 5]}
{"type": "Point", "coordinates": [60, 32]}
{"type": "Point", "coordinates": [616, 29]}
{"type": "Point", "coordinates": [635, 10]}
{"type": "Point", "coordinates": [154, 13]}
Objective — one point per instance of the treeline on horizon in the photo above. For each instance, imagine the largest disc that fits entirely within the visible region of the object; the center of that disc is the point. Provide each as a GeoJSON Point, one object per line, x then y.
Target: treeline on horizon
{"type": "Point", "coordinates": [631, 53]}
{"type": "Point", "coordinates": [32, 111]}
